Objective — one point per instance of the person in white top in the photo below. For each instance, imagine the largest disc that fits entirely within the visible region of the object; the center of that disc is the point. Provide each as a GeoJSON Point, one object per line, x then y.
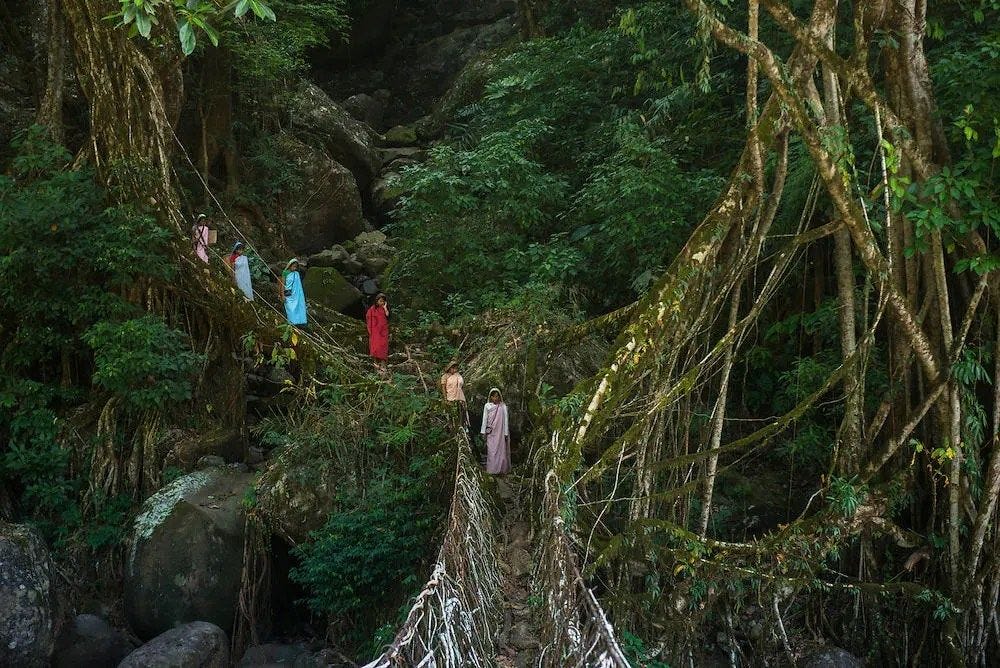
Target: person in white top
{"type": "Point", "coordinates": [452, 389]}
{"type": "Point", "coordinates": [496, 429]}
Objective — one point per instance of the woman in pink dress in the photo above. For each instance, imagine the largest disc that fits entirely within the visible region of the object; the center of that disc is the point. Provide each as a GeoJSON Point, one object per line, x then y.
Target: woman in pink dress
{"type": "Point", "coordinates": [377, 319]}
{"type": "Point", "coordinates": [496, 429]}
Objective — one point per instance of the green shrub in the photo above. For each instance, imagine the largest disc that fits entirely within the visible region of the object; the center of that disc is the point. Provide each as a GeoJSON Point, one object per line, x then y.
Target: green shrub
{"type": "Point", "coordinates": [579, 172]}
{"type": "Point", "coordinates": [143, 361]}
{"type": "Point", "coordinates": [370, 550]}
{"type": "Point", "coordinates": [65, 260]}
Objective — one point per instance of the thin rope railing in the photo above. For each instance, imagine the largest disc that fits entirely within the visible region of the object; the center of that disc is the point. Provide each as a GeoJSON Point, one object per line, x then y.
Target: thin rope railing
{"type": "Point", "coordinates": [328, 345]}
{"type": "Point", "coordinates": [455, 619]}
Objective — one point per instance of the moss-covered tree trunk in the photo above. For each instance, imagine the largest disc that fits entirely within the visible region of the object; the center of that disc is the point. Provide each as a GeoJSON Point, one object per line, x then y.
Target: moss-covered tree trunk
{"type": "Point", "coordinates": [134, 92]}
{"type": "Point", "coordinates": [52, 35]}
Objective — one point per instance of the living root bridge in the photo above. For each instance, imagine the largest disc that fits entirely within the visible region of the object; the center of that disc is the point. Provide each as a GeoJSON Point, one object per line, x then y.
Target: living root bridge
{"type": "Point", "coordinates": [455, 620]}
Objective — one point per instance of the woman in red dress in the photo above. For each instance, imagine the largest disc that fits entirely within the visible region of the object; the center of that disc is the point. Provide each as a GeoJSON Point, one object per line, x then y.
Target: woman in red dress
{"type": "Point", "coordinates": [377, 319]}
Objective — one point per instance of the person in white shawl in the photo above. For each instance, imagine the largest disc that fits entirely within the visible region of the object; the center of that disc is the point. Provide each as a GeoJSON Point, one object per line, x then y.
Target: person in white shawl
{"type": "Point", "coordinates": [240, 265]}
{"type": "Point", "coordinates": [496, 429]}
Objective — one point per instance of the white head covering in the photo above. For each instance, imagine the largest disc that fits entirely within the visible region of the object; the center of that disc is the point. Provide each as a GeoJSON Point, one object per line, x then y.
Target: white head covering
{"type": "Point", "coordinates": [492, 390]}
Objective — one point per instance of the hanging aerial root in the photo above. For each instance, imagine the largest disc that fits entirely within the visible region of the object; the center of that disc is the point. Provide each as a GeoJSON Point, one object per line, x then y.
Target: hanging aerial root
{"type": "Point", "coordinates": [254, 584]}
{"type": "Point", "coordinates": [576, 630]}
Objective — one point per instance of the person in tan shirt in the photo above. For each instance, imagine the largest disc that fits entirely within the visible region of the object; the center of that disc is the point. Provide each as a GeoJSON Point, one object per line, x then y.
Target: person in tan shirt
{"type": "Point", "coordinates": [452, 389]}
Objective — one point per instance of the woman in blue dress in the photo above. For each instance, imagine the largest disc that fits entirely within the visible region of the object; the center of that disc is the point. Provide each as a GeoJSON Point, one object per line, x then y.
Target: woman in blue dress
{"type": "Point", "coordinates": [292, 294]}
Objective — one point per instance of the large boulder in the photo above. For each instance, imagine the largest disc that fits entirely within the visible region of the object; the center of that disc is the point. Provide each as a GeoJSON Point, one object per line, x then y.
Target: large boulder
{"type": "Point", "coordinates": [298, 491]}
{"type": "Point", "coordinates": [463, 12]}
{"type": "Point", "coordinates": [90, 642]}
{"type": "Point", "coordinates": [325, 207]}
{"type": "Point", "coordinates": [334, 256]}
{"type": "Point", "coordinates": [400, 135]}
{"type": "Point", "coordinates": [347, 140]}
{"type": "Point", "coordinates": [26, 616]}
{"type": "Point", "coordinates": [373, 251]}
{"type": "Point", "coordinates": [194, 645]}
{"type": "Point", "coordinates": [186, 557]}
{"type": "Point", "coordinates": [435, 64]}
{"type": "Point", "coordinates": [326, 286]}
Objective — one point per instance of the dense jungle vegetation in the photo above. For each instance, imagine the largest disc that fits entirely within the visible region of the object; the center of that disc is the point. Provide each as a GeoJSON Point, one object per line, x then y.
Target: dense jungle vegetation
{"type": "Point", "coordinates": [734, 265]}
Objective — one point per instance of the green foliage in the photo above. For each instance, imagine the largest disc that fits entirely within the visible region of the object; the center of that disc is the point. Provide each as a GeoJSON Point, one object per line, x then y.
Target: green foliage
{"type": "Point", "coordinates": [636, 652]}
{"type": "Point", "coordinates": [963, 197]}
{"type": "Point", "coordinates": [372, 547]}
{"type": "Point", "coordinates": [267, 52]}
{"type": "Point", "coordinates": [845, 495]}
{"type": "Point", "coordinates": [143, 361]}
{"type": "Point", "coordinates": [587, 192]}
{"type": "Point", "coordinates": [65, 258]}
{"type": "Point", "coordinates": [635, 211]}
{"type": "Point", "coordinates": [388, 445]}
{"type": "Point", "coordinates": [139, 16]}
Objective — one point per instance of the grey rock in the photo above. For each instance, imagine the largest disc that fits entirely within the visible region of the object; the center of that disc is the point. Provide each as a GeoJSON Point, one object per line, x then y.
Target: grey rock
{"type": "Point", "coordinates": [364, 108]}
{"type": "Point", "coordinates": [467, 86]}
{"type": "Point", "coordinates": [272, 654]}
{"type": "Point", "coordinates": [26, 615]}
{"type": "Point", "coordinates": [325, 123]}
{"type": "Point", "coordinates": [369, 109]}
{"type": "Point", "coordinates": [325, 207]}
{"type": "Point", "coordinates": [373, 261]}
{"type": "Point", "coordinates": [464, 12]}
{"type": "Point", "coordinates": [193, 645]}
{"type": "Point", "coordinates": [372, 238]}
{"type": "Point", "coordinates": [331, 257]}
{"type": "Point", "coordinates": [298, 491]}
{"type": "Point", "coordinates": [412, 154]}
{"type": "Point", "coordinates": [832, 657]}
{"type": "Point", "coordinates": [210, 461]}
{"type": "Point", "coordinates": [186, 556]}
{"type": "Point", "coordinates": [90, 642]}
{"type": "Point", "coordinates": [438, 62]}
{"type": "Point", "coordinates": [352, 266]}
{"type": "Point", "coordinates": [370, 287]}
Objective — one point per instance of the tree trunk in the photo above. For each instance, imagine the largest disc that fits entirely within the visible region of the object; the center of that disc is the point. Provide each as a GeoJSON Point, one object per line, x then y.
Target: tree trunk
{"type": "Point", "coordinates": [50, 107]}
{"type": "Point", "coordinates": [528, 12]}
{"type": "Point", "coordinates": [134, 94]}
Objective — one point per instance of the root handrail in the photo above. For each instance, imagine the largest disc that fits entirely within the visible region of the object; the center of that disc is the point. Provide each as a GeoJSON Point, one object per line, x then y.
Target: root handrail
{"type": "Point", "coordinates": [454, 621]}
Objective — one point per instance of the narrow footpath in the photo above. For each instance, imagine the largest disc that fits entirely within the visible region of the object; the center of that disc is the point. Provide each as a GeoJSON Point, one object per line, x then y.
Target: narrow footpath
{"type": "Point", "coordinates": [518, 643]}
